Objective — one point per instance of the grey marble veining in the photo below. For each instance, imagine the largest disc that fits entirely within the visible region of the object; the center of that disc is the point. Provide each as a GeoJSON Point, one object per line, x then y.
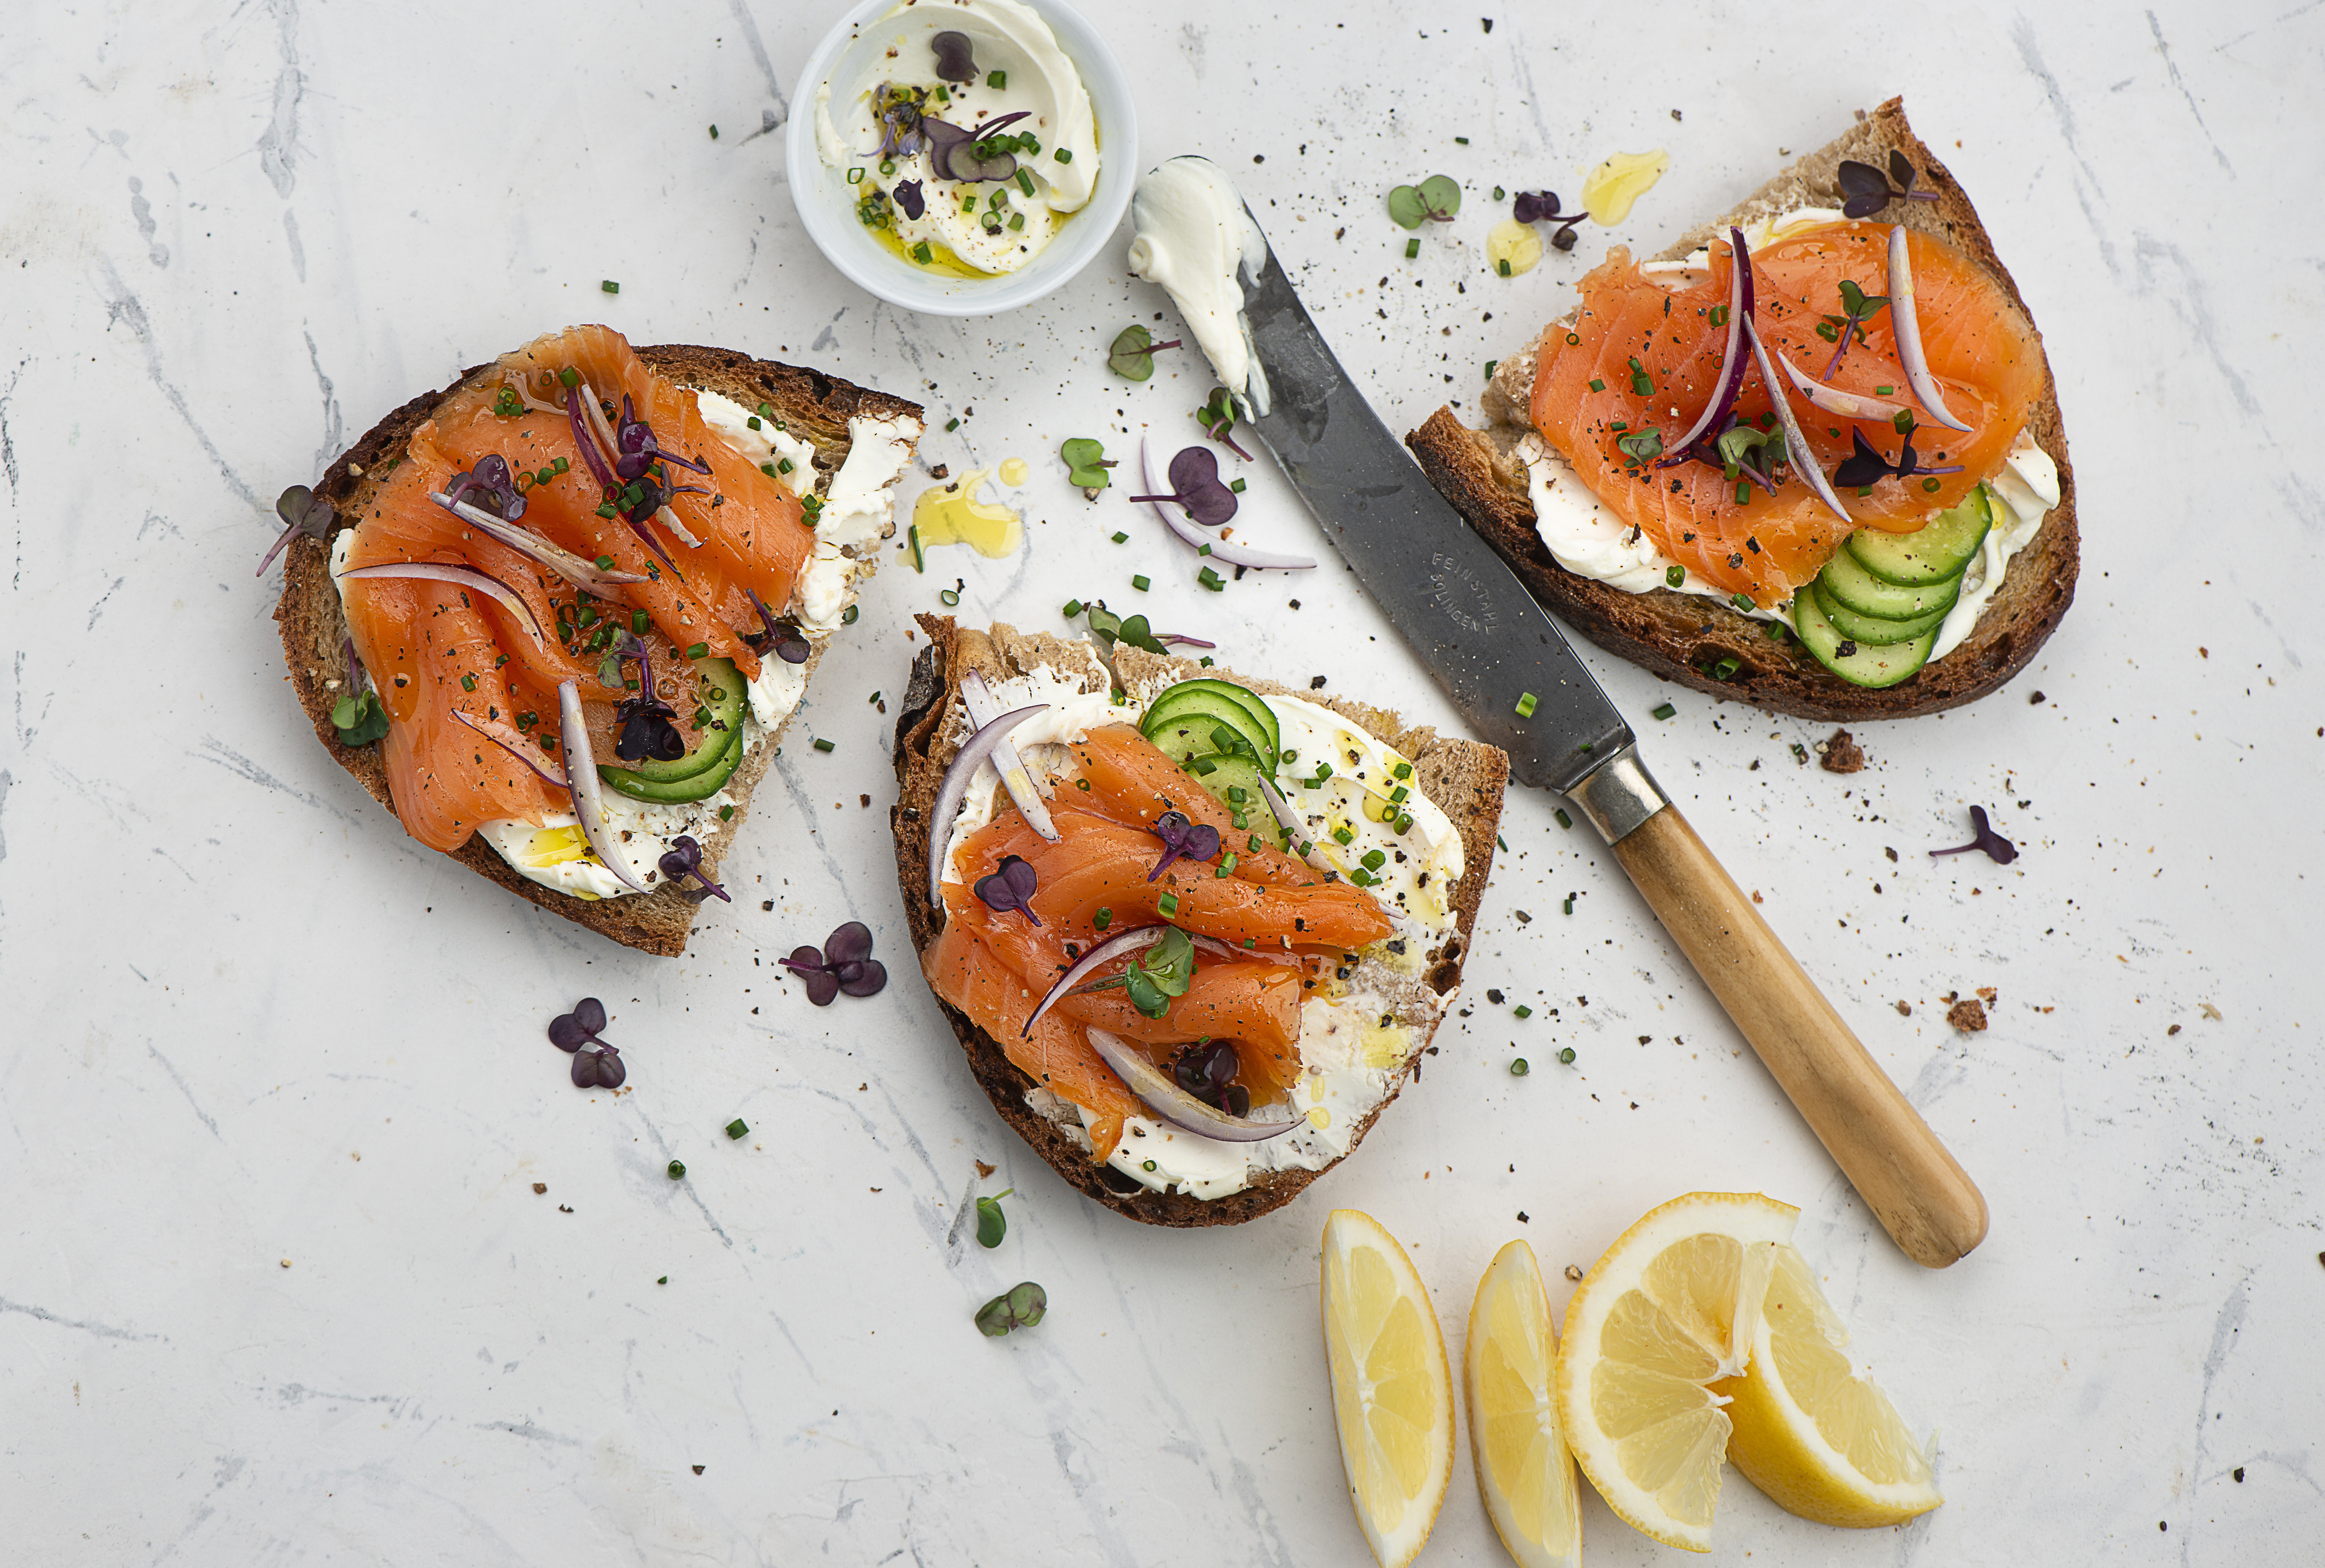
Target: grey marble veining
{"type": "Point", "coordinates": [274, 1284]}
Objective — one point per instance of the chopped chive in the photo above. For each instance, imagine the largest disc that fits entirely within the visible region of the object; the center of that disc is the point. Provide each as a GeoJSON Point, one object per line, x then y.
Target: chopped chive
{"type": "Point", "coordinates": [1564, 820]}
{"type": "Point", "coordinates": [1522, 1011]}
{"type": "Point", "coordinates": [739, 1128]}
{"type": "Point", "coordinates": [1930, 485]}
{"type": "Point", "coordinates": [1461, 140]}
{"type": "Point", "coordinates": [1499, 193]}
{"type": "Point", "coordinates": [1403, 823]}
{"type": "Point", "coordinates": [1489, 368]}
{"type": "Point", "coordinates": [1502, 844]}
{"type": "Point", "coordinates": [952, 424]}
{"type": "Point", "coordinates": [1120, 537]}
{"type": "Point", "coordinates": [1063, 155]}
{"type": "Point", "coordinates": [1236, 486]}
{"type": "Point", "coordinates": [1411, 249]}
{"type": "Point", "coordinates": [1168, 903]}
{"type": "Point", "coordinates": [913, 535]}
{"type": "Point", "coordinates": [855, 177]}
{"type": "Point", "coordinates": [1526, 706]}
{"type": "Point", "coordinates": [921, 253]}
{"type": "Point", "coordinates": [887, 167]}
{"type": "Point", "coordinates": [726, 814]}
{"type": "Point", "coordinates": [1345, 833]}
{"type": "Point", "coordinates": [1024, 182]}
{"type": "Point", "coordinates": [1573, 339]}
{"type": "Point", "coordinates": [1141, 584]}
{"type": "Point", "coordinates": [1210, 579]}
{"type": "Point", "coordinates": [1251, 845]}
{"type": "Point", "coordinates": [1566, 1054]}
{"type": "Point", "coordinates": [1374, 859]}
{"type": "Point", "coordinates": [949, 597]}
{"type": "Point", "coordinates": [639, 621]}
{"type": "Point", "coordinates": [822, 744]}
{"type": "Point", "coordinates": [1743, 492]}
{"type": "Point", "coordinates": [1518, 1068]}
{"type": "Point", "coordinates": [1676, 575]}
{"type": "Point", "coordinates": [1104, 918]}
{"type": "Point", "coordinates": [785, 466]}
{"type": "Point", "coordinates": [1727, 667]}
{"type": "Point", "coordinates": [467, 683]}
{"type": "Point", "coordinates": [698, 649]}
{"type": "Point", "coordinates": [605, 563]}
{"type": "Point", "coordinates": [1502, 267]}
{"type": "Point", "coordinates": [768, 469]}
{"type": "Point", "coordinates": [610, 286]}
{"type": "Point", "coordinates": [1664, 711]}
{"type": "Point", "coordinates": [1597, 385]}
{"type": "Point", "coordinates": [1569, 903]}
{"type": "Point", "coordinates": [1744, 602]}
{"type": "Point", "coordinates": [1227, 865]}
{"type": "Point", "coordinates": [996, 80]}
{"type": "Point", "coordinates": [1073, 608]}
{"type": "Point", "coordinates": [1017, 220]}
{"type": "Point", "coordinates": [1402, 771]}
{"type": "Point", "coordinates": [569, 376]}
{"type": "Point", "coordinates": [677, 1170]}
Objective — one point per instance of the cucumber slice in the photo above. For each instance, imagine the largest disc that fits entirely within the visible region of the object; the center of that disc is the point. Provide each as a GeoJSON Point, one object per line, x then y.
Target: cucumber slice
{"type": "Point", "coordinates": [1186, 723]}
{"type": "Point", "coordinates": [1859, 628]}
{"type": "Point", "coordinates": [1221, 777]}
{"type": "Point", "coordinates": [709, 781]}
{"type": "Point", "coordinates": [1850, 584]}
{"type": "Point", "coordinates": [1258, 720]}
{"type": "Point", "coordinates": [1874, 665]}
{"type": "Point", "coordinates": [720, 690]}
{"type": "Point", "coordinates": [1940, 549]}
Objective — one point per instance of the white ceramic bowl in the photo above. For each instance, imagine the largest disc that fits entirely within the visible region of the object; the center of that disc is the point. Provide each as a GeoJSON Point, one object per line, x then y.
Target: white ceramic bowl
{"type": "Point", "coordinates": [827, 202]}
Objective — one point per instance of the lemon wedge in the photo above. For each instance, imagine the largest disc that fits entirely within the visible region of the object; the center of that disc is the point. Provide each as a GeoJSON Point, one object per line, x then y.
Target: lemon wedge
{"type": "Point", "coordinates": [1822, 1442]}
{"type": "Point", "coordinates": [1392, 1386]}
{"type": "Point", "coordinates": [1525, 1473]}
{"type": "Point", "coordinates": [1672, 1308]}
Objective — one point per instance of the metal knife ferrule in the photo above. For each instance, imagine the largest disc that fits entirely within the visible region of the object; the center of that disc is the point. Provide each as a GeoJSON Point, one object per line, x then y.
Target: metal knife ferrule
{"type": "Point", "coordinates": [1618, 796]}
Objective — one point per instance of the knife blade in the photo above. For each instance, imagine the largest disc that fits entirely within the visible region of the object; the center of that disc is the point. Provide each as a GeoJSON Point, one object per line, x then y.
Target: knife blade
{"type": "Point", "coordinates": [1491, 647]}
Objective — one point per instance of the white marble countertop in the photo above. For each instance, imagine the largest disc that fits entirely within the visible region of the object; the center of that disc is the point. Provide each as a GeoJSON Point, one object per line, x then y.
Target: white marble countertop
{"type": "Point", "coordinates": [275, 1285]}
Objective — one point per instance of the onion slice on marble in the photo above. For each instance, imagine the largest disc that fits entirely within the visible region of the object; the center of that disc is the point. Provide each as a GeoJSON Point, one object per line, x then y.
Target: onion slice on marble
{"type": "Point", "coordinates": [1832, 400]}
{"type": "Point", "coordinates": [1174, 1104]}
{"type": "Point", "coordinates": [509, 741]}
{"type": "Point", "coordinates": [1803, 459]}
{"type": "Point", "coordinates": [954, 788]}
{"type": "Point", "coordinates": [581, 574]}
{"type": "Point", "coordinates": [1907, 325]}
{"type": "Point", "coordinates": [1732, 360]}
{"type": "Point", "coordinates": [978, 697]}
{"type": "Point", "coordinates": [581, 779]}
{"type": "Point", "coordinates": [1218, 549]}
{"type": "Point", "coordinates": [1135, 940]}
{"type": "Point", "coordinates": [466, 577]}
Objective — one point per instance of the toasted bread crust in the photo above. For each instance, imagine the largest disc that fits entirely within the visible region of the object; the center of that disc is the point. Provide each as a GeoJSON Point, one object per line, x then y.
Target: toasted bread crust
{"type": "Point", "coordinates": [1680, 636]}
{"type": "Point", "coordinates": [1464, 778]}
{"type": "Point", "coordinates": [314, 628]}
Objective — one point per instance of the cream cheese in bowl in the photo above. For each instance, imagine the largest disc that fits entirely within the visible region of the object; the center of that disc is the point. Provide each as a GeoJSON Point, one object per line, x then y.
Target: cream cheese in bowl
{"type": "Point", "coordinates": [949, 153]}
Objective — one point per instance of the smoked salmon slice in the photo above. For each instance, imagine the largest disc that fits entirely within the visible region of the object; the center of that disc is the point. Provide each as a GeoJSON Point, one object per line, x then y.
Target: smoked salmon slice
{"type": "Point", "coordinates": [1642, 353]}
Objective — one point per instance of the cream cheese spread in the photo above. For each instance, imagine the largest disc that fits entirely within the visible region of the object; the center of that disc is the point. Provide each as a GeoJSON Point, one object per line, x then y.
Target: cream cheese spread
{"type": "Point", "coordinates": [1195, 237]}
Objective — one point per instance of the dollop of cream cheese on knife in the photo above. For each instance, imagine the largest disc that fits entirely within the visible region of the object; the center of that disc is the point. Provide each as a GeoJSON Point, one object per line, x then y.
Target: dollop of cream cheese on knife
{"type": "Point", "coordinates": [1196, 239]}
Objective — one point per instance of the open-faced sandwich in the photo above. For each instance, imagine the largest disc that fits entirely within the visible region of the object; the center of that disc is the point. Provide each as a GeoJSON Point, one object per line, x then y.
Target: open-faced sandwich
{"type": "Point", "coordinates": [1811, 457]}
{"type": "Point", "coordinates": [556, 615]}
{"type": "Point", "coordinates": [1193, 931]}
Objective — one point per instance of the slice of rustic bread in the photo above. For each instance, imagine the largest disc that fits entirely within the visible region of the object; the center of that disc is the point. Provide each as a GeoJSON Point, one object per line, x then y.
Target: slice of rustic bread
{"type": "Point", "coordinates": [1463, 777]}
{"type": "Point", "coordinates": [1682, 636]}
{"type": "Point", "coordinates": [815, 406]}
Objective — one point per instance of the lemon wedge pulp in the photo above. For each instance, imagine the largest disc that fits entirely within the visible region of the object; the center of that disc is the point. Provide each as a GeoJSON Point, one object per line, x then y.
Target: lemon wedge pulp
{"type": "Point", "coordinates": [1525, 1473]}
{"type": "Point", "coordinates": [1391, 1385]}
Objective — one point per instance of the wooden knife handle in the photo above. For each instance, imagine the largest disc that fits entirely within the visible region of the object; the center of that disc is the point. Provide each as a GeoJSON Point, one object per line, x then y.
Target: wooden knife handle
{"type": "Point", "coordinates": [1922, 1197]}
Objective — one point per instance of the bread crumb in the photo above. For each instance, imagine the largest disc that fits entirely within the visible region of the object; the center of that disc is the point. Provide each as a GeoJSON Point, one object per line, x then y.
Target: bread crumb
{"type": "Point", "coordinates": [541, 1186]}
{"type": "Point", "coordinates": [1904, 1010]}
{"type": "Point", "coordinates": [1572, 1272]}
{"type": "Point", "coordinates": [983, 1171]}
{"type": "Point", "coordinates": [1842, 754]}
{"type": "Point", "coordinates": [1968, 1016]}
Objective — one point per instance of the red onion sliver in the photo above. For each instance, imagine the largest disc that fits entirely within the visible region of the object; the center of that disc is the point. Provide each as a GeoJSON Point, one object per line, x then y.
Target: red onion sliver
{"type": "Point", "coordinates": [464, 576]}
{"type": "Point", "coordinates": [1907, 327]}
{"type": "Point", "coordinates": [581, 574]}
{"type": "Point", "coordinates": [581, 779]}
{"type": "Point", "coordinates": [1132, 941]}
{"type": "Point", "coordinates": [1731, 361]}
{"type": "Point", "coordinates": [1157, 1091]}
{"type": "Point", "coordinates": [509, 741]}
{"type": "Point", "coordinates": [599, 469]}
{"type": "Point", "coordinates": [978, 697]}
{"type": "Point", "coordinates": [596, 415]}
{"type": "Point", "coordinates": [1832, 400]}
{"type": "Point", "coordinates": [1294, 830]}
{"type": "Point", "coordinates": [1223, 551]}
{"type": "Point", "coordinates": [954, 789]}
{"type": "Point", "coordinates": [1796, 444]}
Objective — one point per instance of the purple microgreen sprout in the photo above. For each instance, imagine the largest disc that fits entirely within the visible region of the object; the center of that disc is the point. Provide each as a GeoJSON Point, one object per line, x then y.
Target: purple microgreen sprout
{"type": "Point", "coordinates": [1182, 840]}
{"type": "Point", "coordinates": [1010, 887]}
{"type": "Point", "coordinates": [490, 475]}
{"type": "Point", "coordinates": [1866, 466]}
{"type": "Point", "coordinates": [637, 450]}
{"type": "Point", "coordinates": [684, 858]}
{"type": "Point", "coordinates": [1865, 190]}
{"type": "Point", "coordinates": [909, 196]}
{"type": "Point", "coordinates": [648, 724]}
{"type": "Point", "coordinates": [1434, 200]}
{"type": "Point", "coordinates": [1203, 1069]}
{"type": "Point", "coordinates": [1542, 207]}
{"type": "Point", "coordinates": [1195, 477]}
{"type": "Point", "coordinates": [1133, 351]}
{"type": "Point", "coordinates": [782, 638]}
{"type": "Point", "coordinates": [1110, 629]}
{"type": "Point", "coordinates": [1218, 417]}
{"type": "Point", "coordinates": [301, 511]}
{"type": "Point", "coordinates": [1086, 459]}
{"type": "Point", "coordinates": [600, 1066]}
{"type": "Point", "coordinates": [1998, 849]}
{"type": "Point", "coordinates": [1163, 971]}
{"type": "Point", "coordinates": [1842, 330]}
{"type": "Point", "coordinates": [1750, 452]}
{"type": "Point", "coordinates": [845, 963]}
{"type": "Point", "coordinates": [899, 111]}
{"type": "Point", "coordinates": [956, 57]}
{"type": "Point", "coordinates": [1022, 1306]}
